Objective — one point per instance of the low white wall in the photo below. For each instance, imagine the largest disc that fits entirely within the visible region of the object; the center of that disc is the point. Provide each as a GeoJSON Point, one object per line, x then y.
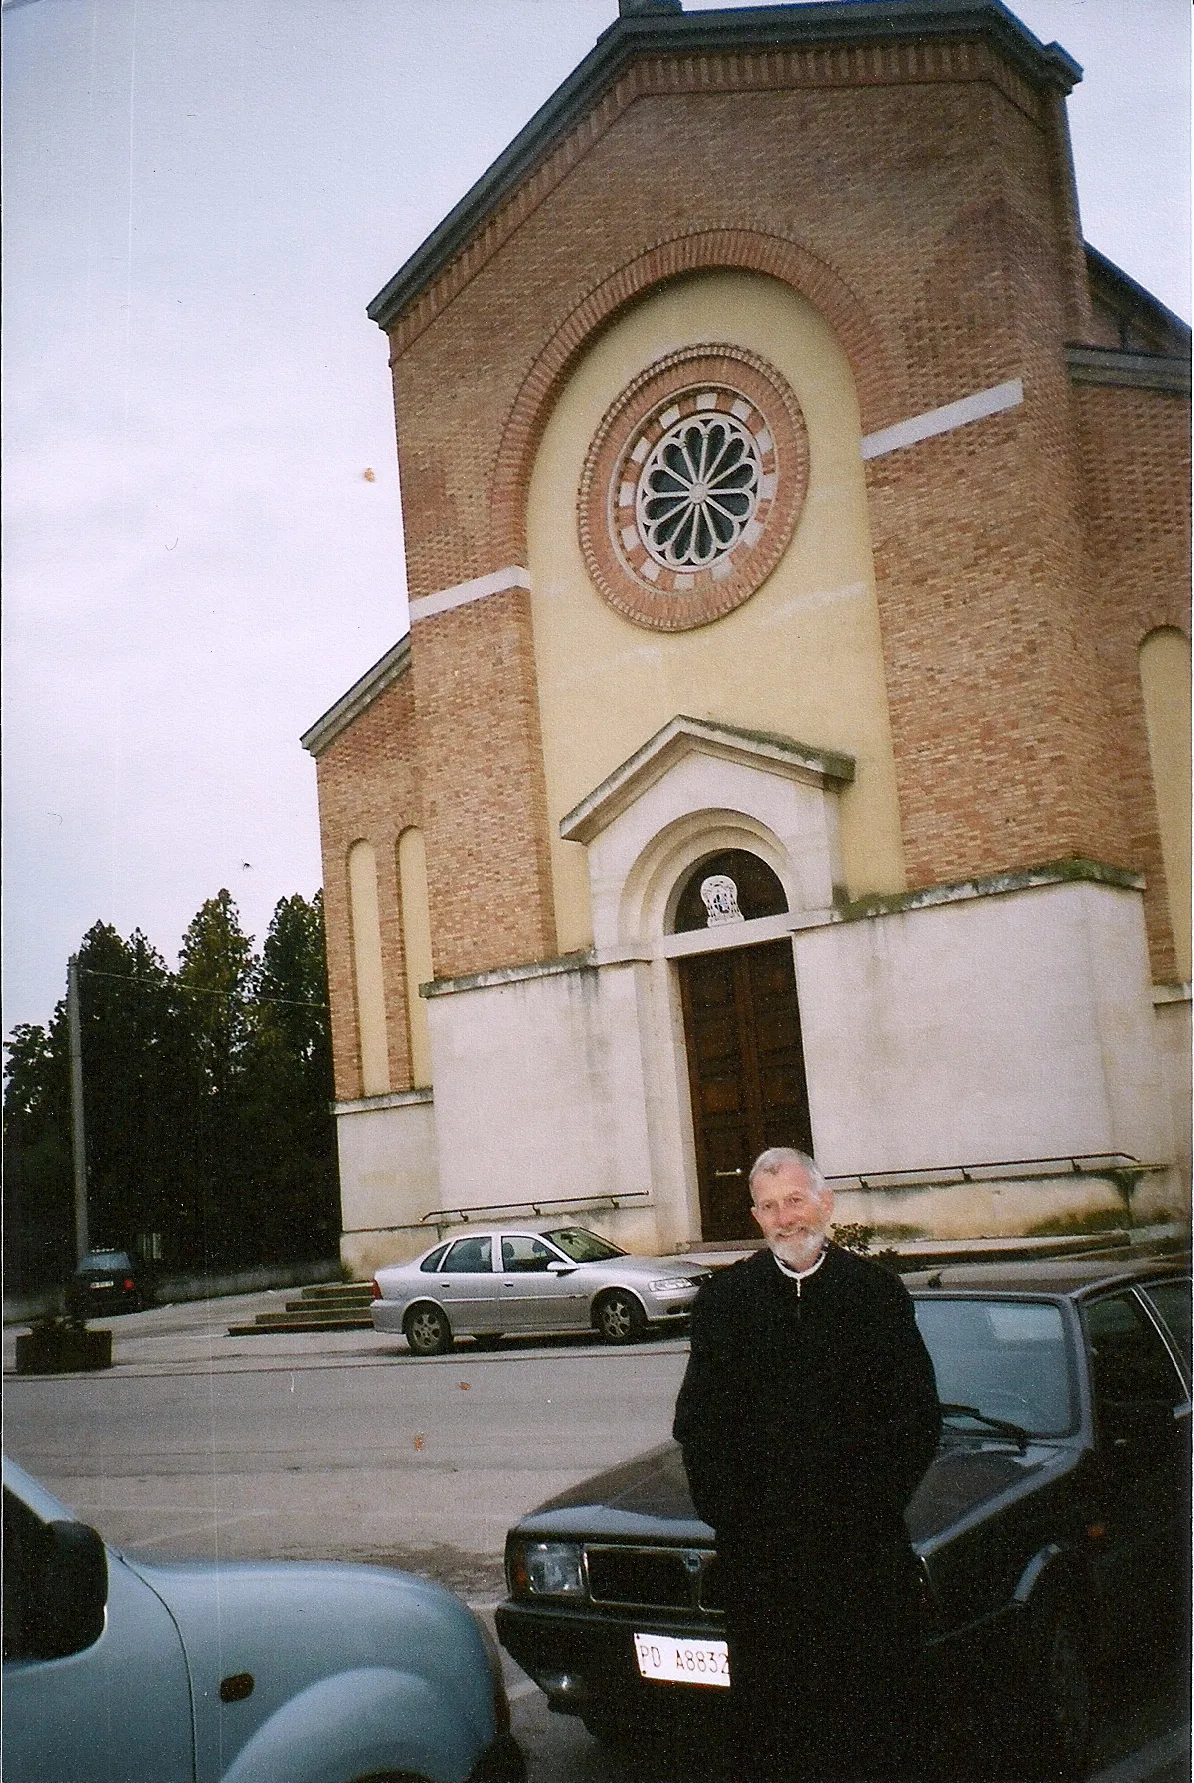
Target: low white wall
{"type": "Point", "coordinates": [1017, 1025]}
{"type": "Point", "coordinates": [388, 1179]}
{"type": "Point", "coordinates": [1005, 1027]}
{"type": "Point", "coordinates": [1172, 1014]}
{"type": "Point", "coordinates": [539, 1089]}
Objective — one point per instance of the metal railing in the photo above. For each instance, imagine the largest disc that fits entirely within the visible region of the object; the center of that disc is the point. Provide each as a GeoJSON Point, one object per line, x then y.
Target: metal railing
{"type": "Point", "coordinates": [448, 1216]}
{"type": "Point", "coordinates": [927, 1175]}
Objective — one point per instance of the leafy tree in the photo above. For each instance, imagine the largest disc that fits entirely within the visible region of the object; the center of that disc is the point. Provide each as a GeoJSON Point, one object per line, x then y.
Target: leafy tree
{"type": "Point", "coordinates": [288, 1086]}
{"type": "Point", "coordinates": [216, 970]}
{"type": "Point", "coordinates": [206, 1097]}
{"type": "Point", "coordinates": [39, 1231]}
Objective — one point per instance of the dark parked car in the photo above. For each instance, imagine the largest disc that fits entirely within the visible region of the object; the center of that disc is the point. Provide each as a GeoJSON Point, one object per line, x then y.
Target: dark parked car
{"type": "Point", "coordinates": [1052, 1528]}
{"type": "Point", "coordinates": [106, 1281]}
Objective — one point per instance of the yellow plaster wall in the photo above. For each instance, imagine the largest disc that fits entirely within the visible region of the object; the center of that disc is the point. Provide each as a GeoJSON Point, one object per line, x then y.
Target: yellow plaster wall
{"type": "Point", "coordinates": [1165, 679]}
{"type": "Point", "coordinates": [367, 963]}
{"type": "Point", "coordinates": [803, 656]}
{"type": "Point", "coordinates": [416, 946]}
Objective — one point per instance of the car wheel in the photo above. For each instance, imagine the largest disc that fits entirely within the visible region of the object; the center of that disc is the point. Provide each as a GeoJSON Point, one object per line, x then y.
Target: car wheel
{"type": "Point", "coordinates": [427, 1331]}
{"type": "Point", "coordinates": [605, 1726]}
{"type": "Point", "coordinates": [619, 1317]}
{"type": "Point", "coordinates": [1060, 1697]}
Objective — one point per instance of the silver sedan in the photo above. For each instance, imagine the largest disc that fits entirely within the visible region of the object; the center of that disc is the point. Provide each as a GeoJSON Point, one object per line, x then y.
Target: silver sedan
{"type": "Point", "coordinates": [514, 1280]}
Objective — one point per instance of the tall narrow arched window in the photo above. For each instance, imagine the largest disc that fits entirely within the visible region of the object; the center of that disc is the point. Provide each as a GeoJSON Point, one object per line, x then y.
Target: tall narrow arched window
{"type": "Point", "coordinates": [1165, 683]}
{"type": "Point", "coordinates": [367, 969]}
{"type": "Point", "coordinates": [416, 947]}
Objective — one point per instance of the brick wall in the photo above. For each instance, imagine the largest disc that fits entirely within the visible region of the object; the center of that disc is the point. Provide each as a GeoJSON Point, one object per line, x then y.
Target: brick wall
{"type": "Point", "coordinates": [484, 797]}
{"type": "Point", "coordinates": [921, 196]}
{"type": "Point", "coordinates": [369, 791]}
{"type": "Point", "coordinates": [1136, 454]}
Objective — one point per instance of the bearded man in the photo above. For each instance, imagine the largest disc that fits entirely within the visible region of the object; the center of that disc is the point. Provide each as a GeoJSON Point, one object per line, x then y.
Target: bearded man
{"type": "Point", "coordinates": [807, 1416]}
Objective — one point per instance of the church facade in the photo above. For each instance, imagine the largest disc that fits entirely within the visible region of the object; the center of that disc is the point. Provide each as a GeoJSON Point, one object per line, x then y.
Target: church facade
{"type": "Point", "coordinates": [790, 743]}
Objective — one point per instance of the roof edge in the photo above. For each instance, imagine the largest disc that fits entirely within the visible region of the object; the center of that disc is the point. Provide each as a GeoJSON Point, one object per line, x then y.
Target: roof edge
{"type": "Point", "coordinates": [360, 695]}
{"type": "Point", "coordinates": [1100, 266]}
{"type": "Point", "coordinates": [763, 27]}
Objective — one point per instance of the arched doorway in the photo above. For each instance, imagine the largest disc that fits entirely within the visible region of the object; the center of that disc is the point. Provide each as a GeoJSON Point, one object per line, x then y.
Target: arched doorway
{"type": "Point", "coordinates": [742, 1034]}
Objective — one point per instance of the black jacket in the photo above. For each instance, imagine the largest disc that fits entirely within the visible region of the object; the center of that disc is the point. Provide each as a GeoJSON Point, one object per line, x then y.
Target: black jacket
{"type": "Point", "coordinates": [806, 1418]}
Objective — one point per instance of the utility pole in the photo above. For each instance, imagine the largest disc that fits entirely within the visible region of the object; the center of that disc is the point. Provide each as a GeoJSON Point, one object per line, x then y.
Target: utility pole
{"type": "Point", "coordinates": [79, 1143]}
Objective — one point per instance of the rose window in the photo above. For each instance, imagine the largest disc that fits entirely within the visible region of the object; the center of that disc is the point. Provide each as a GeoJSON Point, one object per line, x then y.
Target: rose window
{"type": "Point", "coordinates": [698, 492]}
{"type": "Point", "coordinates": [692, 487]}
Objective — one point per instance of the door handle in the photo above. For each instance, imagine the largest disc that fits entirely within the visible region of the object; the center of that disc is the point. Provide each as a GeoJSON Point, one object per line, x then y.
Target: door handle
{"type": "Point", "coordinates": [727, 1173]}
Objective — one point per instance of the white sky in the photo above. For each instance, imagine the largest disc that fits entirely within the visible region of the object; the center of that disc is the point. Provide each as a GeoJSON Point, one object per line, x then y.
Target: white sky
{"type": "Point", "coordinates": [200, 198]}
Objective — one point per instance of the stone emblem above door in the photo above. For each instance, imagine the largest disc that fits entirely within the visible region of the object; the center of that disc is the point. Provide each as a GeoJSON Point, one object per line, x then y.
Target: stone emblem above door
{"type": "Point", "coordinates": [694, 789]}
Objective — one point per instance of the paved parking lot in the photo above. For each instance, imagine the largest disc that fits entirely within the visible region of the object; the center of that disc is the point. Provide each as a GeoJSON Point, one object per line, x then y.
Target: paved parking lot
{"type": "Point", "coordinates": [331, 1444]}
{"type": "Point", "coordinates": [339, 1445]}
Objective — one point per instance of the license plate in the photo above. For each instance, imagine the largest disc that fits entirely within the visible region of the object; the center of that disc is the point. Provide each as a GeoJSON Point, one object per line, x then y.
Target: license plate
{"type": "Point", "coordinates": [103, 1284]}
{"type": "Point", "coordinates": [666, 1660]}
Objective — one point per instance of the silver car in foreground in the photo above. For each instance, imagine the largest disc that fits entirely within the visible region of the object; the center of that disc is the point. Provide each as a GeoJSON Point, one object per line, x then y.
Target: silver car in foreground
{"type": "Point", "coordinates": [235, 1671]}
{"type": "Point", "coordinates": [513, 1279]}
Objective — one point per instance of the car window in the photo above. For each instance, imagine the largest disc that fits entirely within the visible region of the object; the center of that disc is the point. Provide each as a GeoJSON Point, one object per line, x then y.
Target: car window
{"type": "Point", "coordinates": [526, 1253]}
{"type": "Point", "coordinates": [1128, 1359]}
{"type": "Point", "coordinates": [1007, 1358]}
{"type": "Point", "coordinates": [433, 1260]}
{"type": "Point", "coordinates": [582, 1246]}
{"type": "Point", "coordinates": [468, 1256]}
{"type": "Point", "coordinates": [114, 1260]}
{"type": "Point", "coordinates": [1172, 1301]}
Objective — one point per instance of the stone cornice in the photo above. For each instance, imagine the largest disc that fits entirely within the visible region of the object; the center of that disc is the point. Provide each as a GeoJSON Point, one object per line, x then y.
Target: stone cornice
{"type": "Point", "coordinates": [683, 736]}
{"type": "Point", "coordinates": [362, 693]}
{"type": "Point", "coordinates": [864, 43]}
{"type": "Point", "coordinates": [1122, 370]}
{"type": "Point", "coordinates": [1075, 870]}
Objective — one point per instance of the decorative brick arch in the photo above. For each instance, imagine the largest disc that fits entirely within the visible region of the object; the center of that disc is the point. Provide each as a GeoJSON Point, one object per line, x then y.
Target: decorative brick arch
{"type": "Point", "coordinates": [746, 250]}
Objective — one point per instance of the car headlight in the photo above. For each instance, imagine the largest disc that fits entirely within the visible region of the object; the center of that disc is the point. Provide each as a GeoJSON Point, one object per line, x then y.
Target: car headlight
{"type": "Point", "coordinates": [546, 1569]}
{"type": "Point", "coordinates": [672, 1282]}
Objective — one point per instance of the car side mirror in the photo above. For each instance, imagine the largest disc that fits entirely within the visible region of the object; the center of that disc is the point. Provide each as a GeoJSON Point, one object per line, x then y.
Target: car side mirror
{"type": "Point", "coordinates": [557, 1268]}
{"type": "Point", "coordinates": [73, 1590]}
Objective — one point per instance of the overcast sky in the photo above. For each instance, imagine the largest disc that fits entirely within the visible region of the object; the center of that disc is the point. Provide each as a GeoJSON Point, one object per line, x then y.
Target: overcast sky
{"type": "Point", "coordinates": [200, 198]}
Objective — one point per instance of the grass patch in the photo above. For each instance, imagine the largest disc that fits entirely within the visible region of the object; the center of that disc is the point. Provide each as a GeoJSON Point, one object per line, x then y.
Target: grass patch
{"type": "Point", "coordinates": [1074, 1225]}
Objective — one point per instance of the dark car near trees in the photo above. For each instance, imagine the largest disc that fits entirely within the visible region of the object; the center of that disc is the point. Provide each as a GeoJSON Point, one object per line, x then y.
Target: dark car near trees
{"type": "Point", "coordinates": [104, 1282]}
{"type": "Point", "coordinates": [1052, 1529]}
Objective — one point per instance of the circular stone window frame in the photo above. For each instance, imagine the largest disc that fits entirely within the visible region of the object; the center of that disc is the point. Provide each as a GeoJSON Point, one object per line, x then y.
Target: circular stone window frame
{"type": "Point", "coordinates": [696, 381]}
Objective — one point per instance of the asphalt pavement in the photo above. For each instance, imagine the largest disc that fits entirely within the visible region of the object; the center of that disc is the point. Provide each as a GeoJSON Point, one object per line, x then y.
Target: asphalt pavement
{"type": "Point", "coordinates": [340, 1445]}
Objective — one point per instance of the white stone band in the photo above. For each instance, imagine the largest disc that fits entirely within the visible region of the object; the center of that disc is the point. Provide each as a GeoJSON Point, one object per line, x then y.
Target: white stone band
{"type": "Point", "coordinates": [954, 414]}
{"type": "Point", "coordinates": [462, 593]}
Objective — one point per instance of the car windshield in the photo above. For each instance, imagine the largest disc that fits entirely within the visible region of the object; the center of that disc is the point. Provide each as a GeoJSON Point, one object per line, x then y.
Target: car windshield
{"type": "Point", "coordinates": [1008, 1359]}
{"type": "Point", "coordinates": [582, 1246]}
{"type": "Point", "coordinates": [105, 1260]}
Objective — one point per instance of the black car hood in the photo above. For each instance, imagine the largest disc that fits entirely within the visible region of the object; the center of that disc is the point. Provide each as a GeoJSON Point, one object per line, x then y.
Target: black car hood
{"type": "Point", "coordinates": [647, 1499]}
{"type": "Point", "coordinates": [968, 1476]}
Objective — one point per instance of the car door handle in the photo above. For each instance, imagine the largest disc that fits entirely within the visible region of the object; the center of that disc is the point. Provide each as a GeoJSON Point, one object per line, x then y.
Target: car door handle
{"type": "Point", "coordinates": [727, 1173]}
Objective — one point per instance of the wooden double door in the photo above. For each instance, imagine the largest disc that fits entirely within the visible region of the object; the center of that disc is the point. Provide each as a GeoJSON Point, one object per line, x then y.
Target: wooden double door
{"type": "Point", "coordinates": [746, 1073]}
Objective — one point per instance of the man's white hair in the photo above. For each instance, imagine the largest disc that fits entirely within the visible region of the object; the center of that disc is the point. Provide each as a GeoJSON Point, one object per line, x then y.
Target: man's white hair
{"type": "Point", "coordinates": [780, 1157]}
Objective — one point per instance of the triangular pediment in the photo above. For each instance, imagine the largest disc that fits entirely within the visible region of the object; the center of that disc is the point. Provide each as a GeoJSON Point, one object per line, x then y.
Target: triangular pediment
{"type": "Point", "coordinates": [646, 51]}
{"type": "Point", "coordinates": [764, 750]}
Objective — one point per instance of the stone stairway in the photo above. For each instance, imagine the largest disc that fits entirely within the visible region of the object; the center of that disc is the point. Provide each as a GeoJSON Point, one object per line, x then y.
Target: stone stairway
{"type": "Point", "coordinates": [330, 1306]}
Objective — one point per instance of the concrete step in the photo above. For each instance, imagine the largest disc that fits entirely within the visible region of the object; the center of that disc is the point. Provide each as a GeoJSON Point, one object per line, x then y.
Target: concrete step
{"type": "Point", "coordinates": [337, 1294]}
{"type": "Point", "coordinates": [316, 1305]}
{"type": "Point", "coordinates": [315, 1312]}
